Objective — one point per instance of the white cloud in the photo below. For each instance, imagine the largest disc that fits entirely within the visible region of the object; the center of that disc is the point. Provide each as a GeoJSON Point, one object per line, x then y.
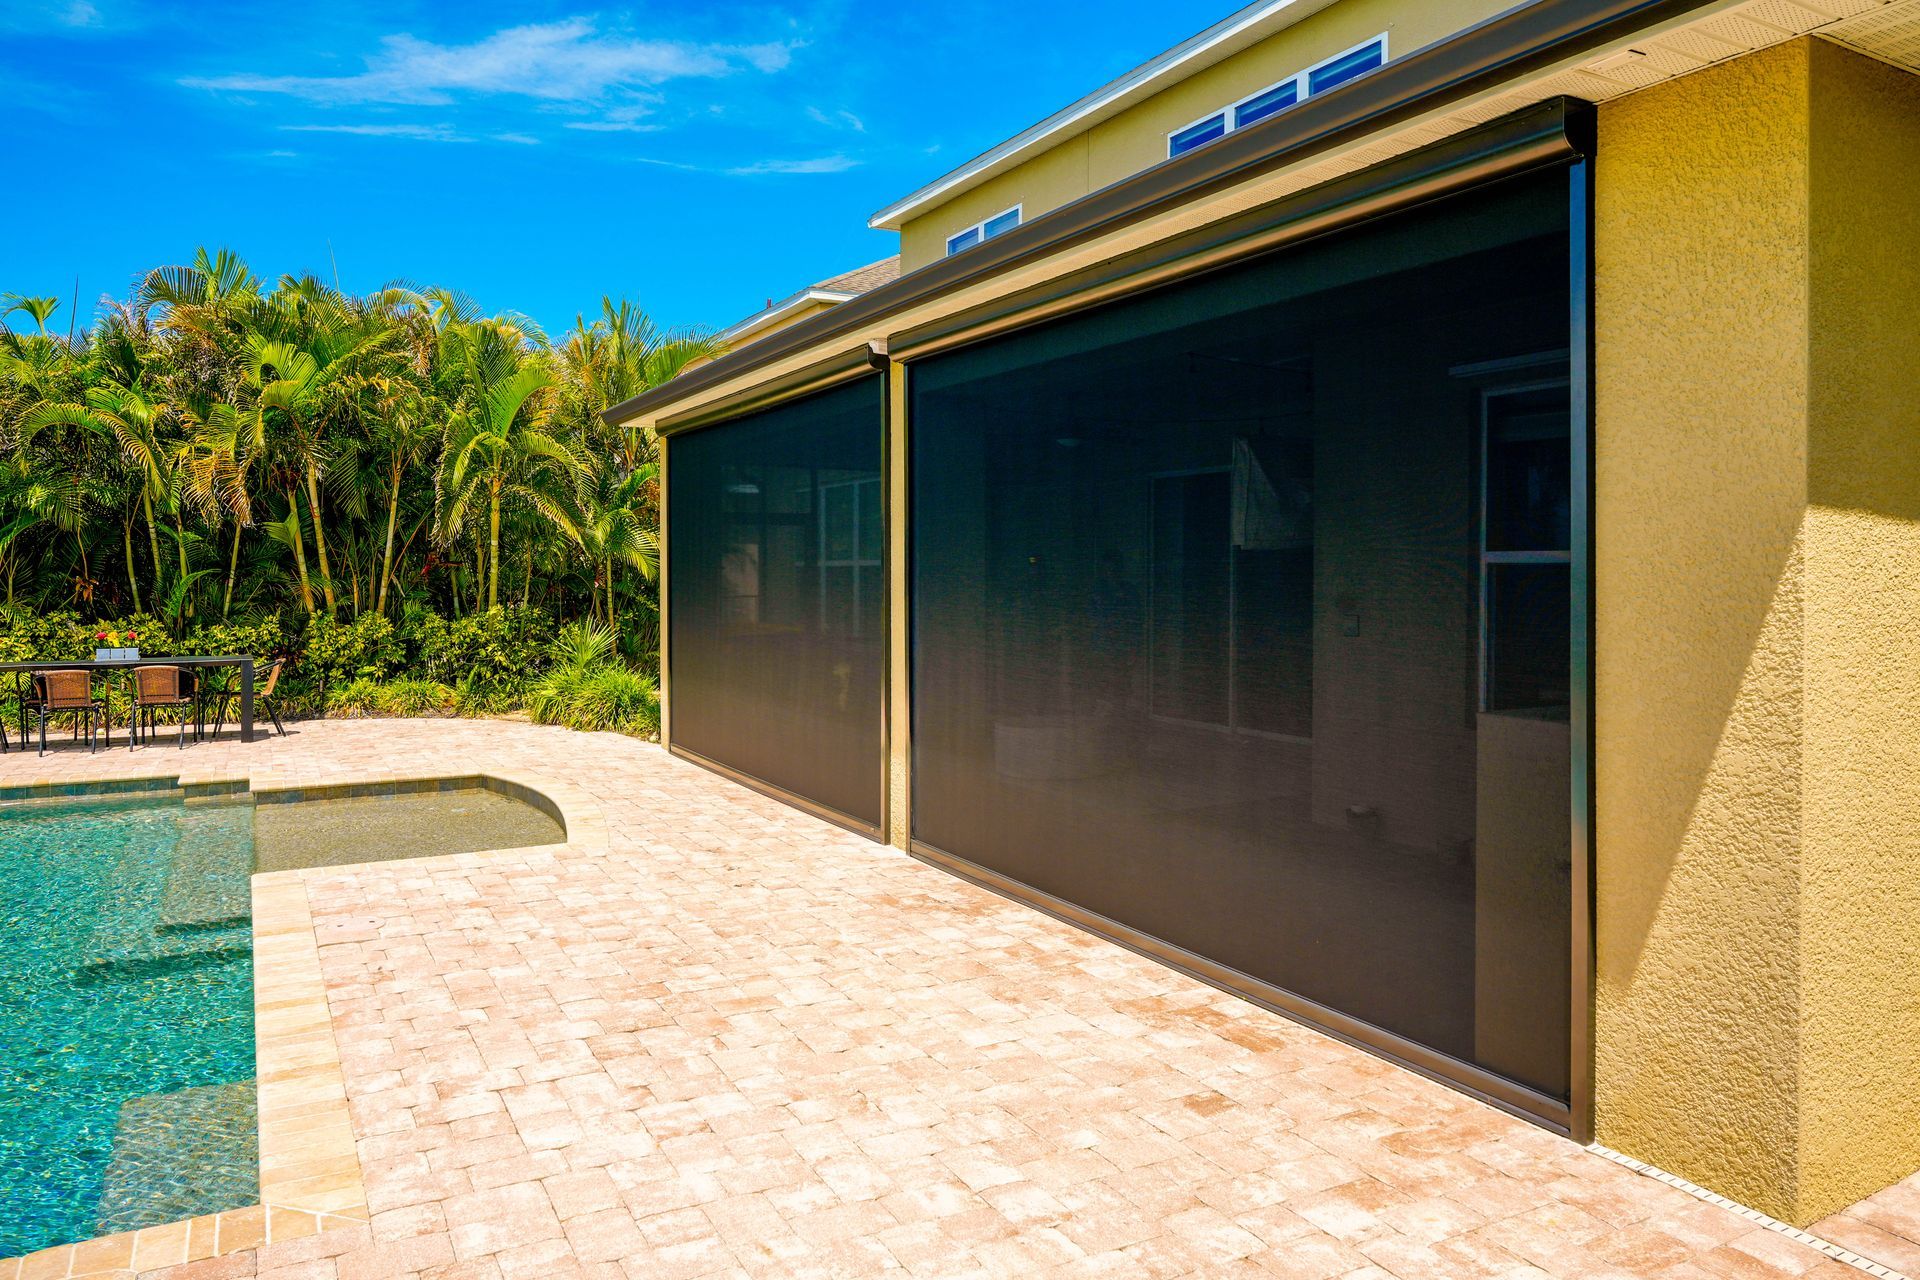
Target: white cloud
{"type": "Point", "coordinates": [840, 118]}
{"type": "Point", "coordinates": [80, 14]}
{"type": "Point", "coordinates": [567, 61]}
{"type": "Point", "coordinates": [417, 132]}
{"type": "Point", "coordinates": [518, 139]}
{"type": "Point", "coordinates": [613, 126]}
{"type": "Point", "coordinates": [628, 117]}
{"type": "Point", "coordinates": [819, 164]}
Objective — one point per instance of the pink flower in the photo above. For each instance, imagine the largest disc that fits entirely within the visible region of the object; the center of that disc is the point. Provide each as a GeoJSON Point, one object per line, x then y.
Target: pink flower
{"type": "Point", "coordinates": [100, 635]}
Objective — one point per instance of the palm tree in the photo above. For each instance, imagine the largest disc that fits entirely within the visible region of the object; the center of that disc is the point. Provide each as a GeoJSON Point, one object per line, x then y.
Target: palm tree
{"type": "Point", "coordinates": [35, 491]}
{"type": "Point", "coordinates": [401, 435]}
{"type": "Point", "coordinates": [213, 406]}
{"type": "Point", "coordinates": [609, 522]}
{"type": "Point", "coordinates": [285, 382]}
{"type": "Point", "coordinates": [40, 309]}
{"type": "Point", "coordinates": [217, 475]}
{"type": "Point", "coordinates": [497, 447]}
{"type": "Point", "coordinates": [135, 420]}
{"type": "Point", "coordinates": [617, 357]}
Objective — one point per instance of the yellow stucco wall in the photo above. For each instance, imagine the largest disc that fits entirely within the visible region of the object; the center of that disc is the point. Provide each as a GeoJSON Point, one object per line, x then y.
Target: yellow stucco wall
{"type": "Point", "coordinates": [1861, 923]}
{"type": "Point", "coordinates": [1137, 137]}
{"type": "Point", "coordinates": [1757, 721]}
{"type": "Point", "coordinates": [899, 617]}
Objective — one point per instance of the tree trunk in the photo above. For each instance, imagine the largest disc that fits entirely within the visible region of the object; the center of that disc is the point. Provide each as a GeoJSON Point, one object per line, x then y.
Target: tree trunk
{"type": "Point", "coordinates": [320, 537]}
{"type": "Point", "coordinates": [186, 592]}
{"type": "Point", "coordinates": [153, 545]}
{"type": "Point", "coordinates": [233, 571]}
{"type": "Point", "coordinates": [386, 560]}
{"type": "Point", "coordinates": [126, 533]}
{"type": "Point", "coordinates": [299, 546]}
{"type": "Point", "coordinates": [493, 550]}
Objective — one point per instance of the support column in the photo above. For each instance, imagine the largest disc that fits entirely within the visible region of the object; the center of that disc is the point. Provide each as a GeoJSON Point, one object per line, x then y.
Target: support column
{"type": "Point", "coordinates": [1757, 651]}
{"type": "Point", "coordinates": [899, 650]}
{"type": "Point", "coordinates": [666, 694]}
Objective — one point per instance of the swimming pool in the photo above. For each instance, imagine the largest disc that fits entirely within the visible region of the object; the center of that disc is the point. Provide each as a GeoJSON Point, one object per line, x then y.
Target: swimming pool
{"type": "Point", "coordinates": [127, 1092]}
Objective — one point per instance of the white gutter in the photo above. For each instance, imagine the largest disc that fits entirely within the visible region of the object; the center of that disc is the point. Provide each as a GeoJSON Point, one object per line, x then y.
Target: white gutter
{"type": "Point", "coordinates": [761, 319]}
{"type": "Point", "coordinates": [1220, 41]}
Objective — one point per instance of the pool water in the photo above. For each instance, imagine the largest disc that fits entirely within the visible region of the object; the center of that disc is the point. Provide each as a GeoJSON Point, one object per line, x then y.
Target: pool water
{"type": "Point", "coordinates": [127, 1092]}
{"type": "Point", "coordinates": [126, 1017]}
{"type": "Point", "coordinates": [406, 824]}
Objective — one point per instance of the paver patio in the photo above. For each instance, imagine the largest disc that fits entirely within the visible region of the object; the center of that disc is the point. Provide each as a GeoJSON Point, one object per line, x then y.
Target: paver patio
{"type": "Point", "coordinates": [741, 1042]}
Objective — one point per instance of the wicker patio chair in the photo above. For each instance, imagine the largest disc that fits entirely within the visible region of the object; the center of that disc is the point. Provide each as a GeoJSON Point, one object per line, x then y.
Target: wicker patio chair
{"type": "Point", "coordinates": [263, 697]}
{"type": "Point", "coordinates": [59, 693]}
{"type": "Point", "coordinates": [157, 688]}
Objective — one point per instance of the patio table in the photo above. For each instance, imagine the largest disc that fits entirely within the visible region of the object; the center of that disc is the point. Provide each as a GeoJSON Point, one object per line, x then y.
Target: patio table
{"type": "Point", "coordinates": [22, 669]}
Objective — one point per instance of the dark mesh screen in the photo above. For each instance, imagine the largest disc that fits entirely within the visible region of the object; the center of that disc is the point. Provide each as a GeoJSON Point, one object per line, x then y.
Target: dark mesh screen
{"type": "Point", "coordinates": [1241, 617]}
{"type": "Point", "coordinates": [777, 596]}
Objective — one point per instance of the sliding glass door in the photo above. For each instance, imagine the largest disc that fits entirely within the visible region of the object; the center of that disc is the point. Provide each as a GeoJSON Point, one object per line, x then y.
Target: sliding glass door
{"type": "Point", "coordinates": [777, 601]}
{"type": "Point", "coordinates": [1241, 618]}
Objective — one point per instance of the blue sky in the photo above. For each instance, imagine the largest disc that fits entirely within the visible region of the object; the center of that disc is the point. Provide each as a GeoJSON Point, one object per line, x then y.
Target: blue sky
{"type": "Point", "coordinates": [697, 157]}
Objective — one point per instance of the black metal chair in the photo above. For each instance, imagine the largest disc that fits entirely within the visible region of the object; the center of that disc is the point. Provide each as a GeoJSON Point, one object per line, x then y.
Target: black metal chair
{"type": "Point", "coordinates": [263, 697]}
{"type": "Point", "coordinates": [56, 693]}
{"type": "Point", "coordinates": [158, 688]}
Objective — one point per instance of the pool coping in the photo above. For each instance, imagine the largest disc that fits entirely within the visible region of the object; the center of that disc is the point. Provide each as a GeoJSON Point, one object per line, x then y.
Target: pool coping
{"type": "Point", "coordinates": [310, 1178]}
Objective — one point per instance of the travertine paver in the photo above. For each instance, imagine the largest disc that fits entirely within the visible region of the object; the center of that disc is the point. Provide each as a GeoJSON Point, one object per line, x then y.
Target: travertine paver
{"type": "Point", "coordinates": [1884, 1227]}
{"type": "Point", "coordinates": [736, 1041]}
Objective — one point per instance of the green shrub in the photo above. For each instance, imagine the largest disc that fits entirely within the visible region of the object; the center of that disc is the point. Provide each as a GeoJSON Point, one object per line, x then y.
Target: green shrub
{"type": "Point", "coordinates": [502, 646]}
{"type": "Point", "coordinates": [477, 698]}
{"type": "Point", "coordinates": [582, 644]}
{"type": "Point", "coordinates": [152, 638]}
{"type": "Point", "coordinates": [608, 695]}
{"type": "Point", "coordinates": [48, 637]}
{"type": "Point", "coordinates": [338, 653]}
{"type": "Point", "coordinates": [364, 697]}
{"type": "Point", "coordinates": [264, 638]}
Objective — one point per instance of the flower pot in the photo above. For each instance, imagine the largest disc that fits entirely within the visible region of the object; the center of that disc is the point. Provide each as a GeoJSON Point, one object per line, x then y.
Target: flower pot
{"type": "Point", "coordinates": [116, 655]}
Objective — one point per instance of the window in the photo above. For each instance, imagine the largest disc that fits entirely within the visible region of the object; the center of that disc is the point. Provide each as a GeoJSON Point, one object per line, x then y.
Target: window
{"type": "Point", "coordinates": [987, 230]}
{"type": "Point", "coordinates": [1348, 66]}
{"type": "Point", "coordinates": [1271, 101]}
{"type": "Point", "coordinates": [1525, 550]}
{"type": "Point", "coordinates": [1194, 135]}
{"type": "Point", "coordinates": [1262, 105]}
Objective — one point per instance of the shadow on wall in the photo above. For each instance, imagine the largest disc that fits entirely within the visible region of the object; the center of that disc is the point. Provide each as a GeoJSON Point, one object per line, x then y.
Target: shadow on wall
{"type": "Point", "coordinates": [1758, 494]}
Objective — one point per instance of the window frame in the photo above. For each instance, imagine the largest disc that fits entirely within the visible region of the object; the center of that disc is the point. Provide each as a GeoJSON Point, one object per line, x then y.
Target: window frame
{"type": "Point", "coordinates": [979, 229]}
{"type": "Point", "coordinates": [1302, 82]}
{"type": "Point", "coordinates": [1489, 559]}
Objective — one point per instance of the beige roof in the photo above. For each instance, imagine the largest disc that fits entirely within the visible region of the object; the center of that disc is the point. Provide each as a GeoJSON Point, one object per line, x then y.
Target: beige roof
{"type": "Point", "coordinates": [871, 276]}
{"type": "Point", "coordinates": [840, 288]}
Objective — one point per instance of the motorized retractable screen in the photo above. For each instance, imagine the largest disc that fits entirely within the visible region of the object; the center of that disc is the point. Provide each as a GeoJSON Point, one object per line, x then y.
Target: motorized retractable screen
{"type": "Point", "coordinates": [776, 596]}
{"type": "Point", "coordinates": [1241, 618]}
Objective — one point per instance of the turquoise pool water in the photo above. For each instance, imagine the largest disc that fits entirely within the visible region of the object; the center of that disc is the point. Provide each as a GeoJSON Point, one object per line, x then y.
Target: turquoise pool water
{"type": "Point", "coordinates": [126, 1016]}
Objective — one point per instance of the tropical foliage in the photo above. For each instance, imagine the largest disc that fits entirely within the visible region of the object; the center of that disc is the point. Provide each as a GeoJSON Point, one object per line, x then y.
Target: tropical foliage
{"type": "Point", "coordinates": [397, 486]}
